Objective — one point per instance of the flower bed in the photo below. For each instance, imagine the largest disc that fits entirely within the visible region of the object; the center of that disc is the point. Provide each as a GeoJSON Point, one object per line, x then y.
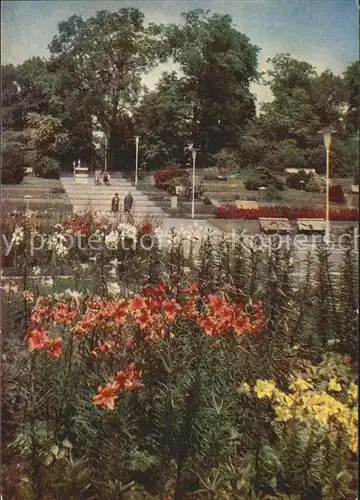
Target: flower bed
{"type": "Point", "coordinates": [131, 325]}
{"type": "Point", "coordinates": [110, 381]}
{"type": "Point", "coordinates": [233, 212]}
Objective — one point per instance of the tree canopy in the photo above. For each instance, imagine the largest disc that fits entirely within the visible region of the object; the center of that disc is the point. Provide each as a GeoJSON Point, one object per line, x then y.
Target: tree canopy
{"type": "Point", "coordinates": [95, 73]}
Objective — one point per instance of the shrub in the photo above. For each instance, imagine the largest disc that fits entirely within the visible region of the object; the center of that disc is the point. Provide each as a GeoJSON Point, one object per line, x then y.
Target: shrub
{"type": "Point", "coordinates": [167, 174]}
{"type": "Point", "coordinates": [313, 186]}
{"type": "Point", "coordinates": [47, 167]}
{"type": "Point", "coordinates": [226, 160]}
{"type": "Point", "coordinates": [272, 194]}
{"type": "Point", "coordinates": [13, 166]}
{"type": "Point", "coordinates": [336, 194]}
{"type": "Point", "coordinates": [294, 181]}
{"type": "Point", "coordinates": [263, 177]}
{"type": "Point", "coordinates": [13, 162]}
{"type": "Point", "coordinates": [207, 201]}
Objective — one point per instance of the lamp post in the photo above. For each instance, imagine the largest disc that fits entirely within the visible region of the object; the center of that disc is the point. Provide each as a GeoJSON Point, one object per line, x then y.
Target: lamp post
{"type": "Point", "coordinates": [136, 158]}
{"type": "Point", "coordinates": [106, 164]}
{"type": "Point", "coordinates": [194, 152]}
{"type": "Point", "coordinates": [27, 196]}
{"type": "Point", "coordinates": [262, 189]}
{"type": "Point", "coordinates": [327, 135]}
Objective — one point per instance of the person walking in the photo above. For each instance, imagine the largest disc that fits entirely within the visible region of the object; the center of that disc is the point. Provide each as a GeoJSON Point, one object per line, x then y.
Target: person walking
{"type": "Point", "coordinates": [115, 204]}
{"type": "Point", "coordinates": [128, 203]}
{"type": "Point", "coordinates": [106, 178]}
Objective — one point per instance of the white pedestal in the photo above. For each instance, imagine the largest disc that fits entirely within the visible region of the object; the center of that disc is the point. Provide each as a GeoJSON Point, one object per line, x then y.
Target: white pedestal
{"type": "Point", "coordinates": [174, 202]}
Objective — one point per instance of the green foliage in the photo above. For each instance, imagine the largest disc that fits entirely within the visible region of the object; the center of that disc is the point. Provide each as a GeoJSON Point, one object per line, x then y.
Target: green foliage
{"type": "Point", "coordinates": [304, 102]}
{"type": "Point", "coordinates": [218, 63]}
{"type": "Point", "coordinates": [13, 165]}
{"type": "Point", "coordinates": [47, 167]}
{"type": "Point", "coordinates": [226, 161]}
{"type": "Point", "coordinates": [14, 157]}
{"type": "Point", "coordinates": [104, 58]}
{"type": "Point", "coordinates": [272, 193]}
{"type": "Point", "coordinates": [162, 120]}
{"type": "Point", "coordinates": [284, 154]}
{"type": "Point", "coordinates": [263, 177]}
{"type": "Point", "coordinates": [352, 82]}
{"type": "Point", "coordinates": [293, 181]}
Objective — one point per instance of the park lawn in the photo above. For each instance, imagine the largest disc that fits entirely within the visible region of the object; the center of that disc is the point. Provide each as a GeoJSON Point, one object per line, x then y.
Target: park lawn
{"type": "Point", "coordinates": [45, 195]}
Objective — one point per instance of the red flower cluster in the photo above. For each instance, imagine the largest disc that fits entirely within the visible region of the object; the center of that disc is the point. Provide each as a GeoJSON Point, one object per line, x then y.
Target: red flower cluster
{"type": "Point", "coordinates": [146, 228]}
{"type": "Point", "coordinates": [123, 381]}
{"type": "Point", "coordinates": [79, 225]}
{"type": "Point", "coordinates": [58, 314]}
{"type": "Point", "coordinates": [38, 340]}
{"type": "Point", "coordinates": [128, 323]}
{"type": "Point", "coordinates": [153, 311]}
{"type": "Point", "coordinates": [291, 213]}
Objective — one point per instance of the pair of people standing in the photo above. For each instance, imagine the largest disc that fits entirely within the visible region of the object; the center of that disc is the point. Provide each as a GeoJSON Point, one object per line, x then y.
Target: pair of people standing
{"type": "Point", "coordinates": [101, 175]}
{"type": "Point", "coordinates": [128, 203]}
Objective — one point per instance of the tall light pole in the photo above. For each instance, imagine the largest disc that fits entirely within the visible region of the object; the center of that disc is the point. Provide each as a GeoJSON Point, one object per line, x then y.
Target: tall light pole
{"type": "Point", "coordinates": [327, 134]}
{"type": "Point", "coordinates": [194, 152]}
{"type": "Point", "coordinates": [106, 154]}
{"type": "Point", "coordinates": [136, 158]}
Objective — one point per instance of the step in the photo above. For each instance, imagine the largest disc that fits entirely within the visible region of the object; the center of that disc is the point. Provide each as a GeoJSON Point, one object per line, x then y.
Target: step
{"type": "Point", "coordinates": [105, 199]}
{"type": "Point", "coordinates": [84, 192]}
{"type": "Point", "coordinates": [135, 212]}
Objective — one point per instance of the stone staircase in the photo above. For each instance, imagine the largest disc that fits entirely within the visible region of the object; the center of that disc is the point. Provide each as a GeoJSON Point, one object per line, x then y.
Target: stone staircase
{"type": "Point", "coordinates": [85, 195]}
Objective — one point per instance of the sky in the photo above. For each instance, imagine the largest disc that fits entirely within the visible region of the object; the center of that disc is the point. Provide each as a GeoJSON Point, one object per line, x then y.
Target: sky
{"type": "Point", "coordinates": [322, 32]}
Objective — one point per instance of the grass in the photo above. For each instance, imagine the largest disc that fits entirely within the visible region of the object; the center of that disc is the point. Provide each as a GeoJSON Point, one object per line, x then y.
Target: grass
{"type": "Point", "coordinates": [45, 196]}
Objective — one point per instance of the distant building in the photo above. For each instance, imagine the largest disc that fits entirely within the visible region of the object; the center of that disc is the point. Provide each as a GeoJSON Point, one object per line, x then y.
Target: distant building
{"type": "Point", "coordinates": [297, 170]}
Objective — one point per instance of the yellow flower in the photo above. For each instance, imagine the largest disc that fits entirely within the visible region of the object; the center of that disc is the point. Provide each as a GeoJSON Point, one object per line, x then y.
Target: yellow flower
{"type": "Point", "coordinates": [264, 388]}
{"type": "Point", "coordinates": [282, 414]}
{"type": "Point", "coordinates": [353, 393]}
{"type": "Point", "coordinates": [334, 385]}
{"type": "Point", "coordinates": [321, 414]}
{"type": "Point", "coordinates": [300, 385]}
{"type": "Point", "coordinates": [244, 388]}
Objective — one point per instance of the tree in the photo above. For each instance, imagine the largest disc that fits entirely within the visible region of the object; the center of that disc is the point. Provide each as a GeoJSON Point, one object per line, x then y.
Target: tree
{"type": "Point", "coordinates": [218, 63]}
{"type": "Point", "coordinates": [328, 95]}
{"type": "Point", "coordinates": [303, 104]}
{"type": "Point", "coordinates": [163, 119]}
{"type": "Point", "coordinates": [352, 83]}
{"type": "Point", "coordinates": [10, 99]}
{"type": "Point", "coordinates": [288, 74]}
{"type": "Point", "coordinates": [103, 58]}
{"type": "Point", "coordinates": [49, 141]}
